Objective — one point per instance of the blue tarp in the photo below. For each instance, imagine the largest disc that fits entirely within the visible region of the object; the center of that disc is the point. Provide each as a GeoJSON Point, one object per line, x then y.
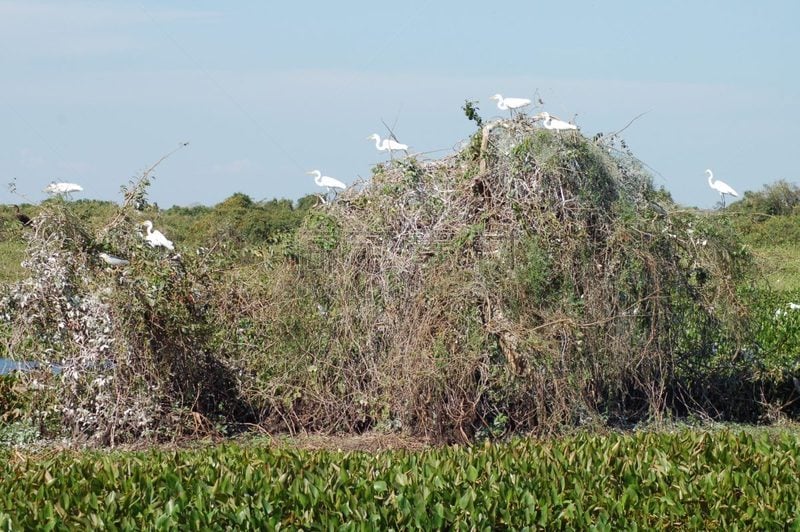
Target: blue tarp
{"type": "Point", "coordinates": [7, 366]}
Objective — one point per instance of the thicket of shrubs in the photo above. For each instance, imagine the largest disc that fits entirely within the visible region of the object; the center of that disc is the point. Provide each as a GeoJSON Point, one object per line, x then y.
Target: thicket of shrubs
{"type": "Point", "coordinates": [532, 281]}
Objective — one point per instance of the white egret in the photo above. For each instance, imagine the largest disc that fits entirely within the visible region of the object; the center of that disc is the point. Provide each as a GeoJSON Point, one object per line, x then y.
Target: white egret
{"type": "Point", "coordinates": [510, 104]}
{"type": "Point", "coordinates": [156, 238]}
{"type": "Point", "coordinates": [720, 186]}
{"type": "Point", "coordinates": [23, 218]}
{"type": "Point", "coordinates": [326, 181]}
{"type": "Point", "coordinates": [62, 188]}
{"type": "Point", "coordinates": [387, 144]}
{"type": "Point", "coordinates": [113, 261]}
{"type": "Point", "coordinates": [780, 313]}
{"type": "Point", "coordinates": [555, 123]}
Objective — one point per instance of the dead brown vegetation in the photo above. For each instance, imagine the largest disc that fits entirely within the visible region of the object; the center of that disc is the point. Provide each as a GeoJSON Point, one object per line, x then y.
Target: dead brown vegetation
{"type": "Point", "coordinates": [532, 281]}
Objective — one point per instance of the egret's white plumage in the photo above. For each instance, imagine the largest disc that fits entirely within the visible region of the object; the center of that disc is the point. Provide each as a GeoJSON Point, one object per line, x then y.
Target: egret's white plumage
{"type": "Point", "coordinates": [326, 181]}
{"type": "Point", "coordinates": [720, 186]}
{"type": "Point", "coordinates": [387, 144]}
{"type": "Point", "coordinates": [156, 238]}
{"type": "Point", "coordinates": [510, 104]}
{"type": "Point", "coordinates": [62, 188]}
{"type": "Point", "coordinates": [113, 261]}
{"type": "Point", "coordinates": [555, 123]}
{"type": "Point", "coordinates": [781, 313]}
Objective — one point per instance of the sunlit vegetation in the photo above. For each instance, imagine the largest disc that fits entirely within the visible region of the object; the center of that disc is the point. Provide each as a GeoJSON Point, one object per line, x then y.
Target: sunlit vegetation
{"type": "Point", "coordinates": [688, 479]}
{"type": "Point", "coordinates": [533, 284]}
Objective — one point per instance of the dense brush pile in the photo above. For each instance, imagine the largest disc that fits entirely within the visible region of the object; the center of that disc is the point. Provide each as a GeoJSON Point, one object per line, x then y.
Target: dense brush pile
{"type": "Point", "coordinates": [534, 280]}
{"type": "Point", "coordinates": [530, 281]}
{"type": "Point", "coordinates": [120, 352]}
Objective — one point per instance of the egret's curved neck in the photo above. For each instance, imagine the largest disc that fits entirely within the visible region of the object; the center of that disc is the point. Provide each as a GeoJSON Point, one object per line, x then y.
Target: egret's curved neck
{"type": "Point", "coordinates": [501, 104]}
{"type": "Point", "coordinates": [149, 226]}
{"type": "Point", "coordinates": [378, 144]}
{"type": "Point", "coordinates": [318, 177]}
{"type": "Point", "coordinates": [710, 177]}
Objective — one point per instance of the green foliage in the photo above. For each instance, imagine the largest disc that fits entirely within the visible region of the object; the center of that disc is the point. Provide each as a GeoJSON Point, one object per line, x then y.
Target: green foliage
{"type": "Point", "coordinates": [238, 221]}
{"type": "Point", "coordinates": [18, 433]}
{"type": "Point", "coordinates": [323, 231]}
{"type": "Point", "coordinates": [776, 335]}
{"type": "Point", "coordinates": [780, 264]}
{"type": "Point", "coordinates": [12, 253]}
{"type": "Point", "coordinates": [694, 480]}
{"type": "Point", "coordinates": [12, 247]}
{"type": "Point", "coordinates": [769, 222]}
{"type": "Point", "coordinates": [775, 199]}
{"type": "Point", "coordinates": [775, 241]}
{"type": "Point", "coordinates": [471, 109]}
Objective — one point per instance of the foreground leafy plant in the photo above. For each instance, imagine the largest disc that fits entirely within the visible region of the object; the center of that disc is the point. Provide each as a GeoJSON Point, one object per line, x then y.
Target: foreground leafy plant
{"type": "Point", "coordinates": [695, 480]}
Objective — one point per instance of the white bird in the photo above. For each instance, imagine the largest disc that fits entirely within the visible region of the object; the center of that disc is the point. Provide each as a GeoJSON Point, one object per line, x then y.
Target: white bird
{"type": "Point", "coordinates": [555, 123]}
{"type": "Point", "coordinates": [113, 261]}
{"type": "Point", "coordinates": [510, 104]}
{"type": "Point", "coordinates": [387, 144]}
{"type": "Point", "coordinates": [326, 181]}
{"type": "Point", "coordinates": [156, 238]}
{"type": "Point", "coordinates": [794, 306]}
{"type": "Point", "coordinates": [62, 188]}
{"type": "Point", "coordinates": [720, 186]}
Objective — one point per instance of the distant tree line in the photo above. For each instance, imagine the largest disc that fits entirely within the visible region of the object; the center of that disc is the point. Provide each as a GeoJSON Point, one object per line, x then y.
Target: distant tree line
{"type": "Point", "coordinates": [238, 220]}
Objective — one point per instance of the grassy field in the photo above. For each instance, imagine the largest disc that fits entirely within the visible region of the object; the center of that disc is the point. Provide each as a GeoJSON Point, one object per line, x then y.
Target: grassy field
{"type": "Point", "coordinates": [780, 265]}
{"type": "Point", "coordinates": [12, 252]}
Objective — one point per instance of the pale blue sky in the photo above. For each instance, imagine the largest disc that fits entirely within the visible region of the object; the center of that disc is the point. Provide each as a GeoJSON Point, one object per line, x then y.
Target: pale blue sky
{"type": "Point", "coordinates": [95, 91]}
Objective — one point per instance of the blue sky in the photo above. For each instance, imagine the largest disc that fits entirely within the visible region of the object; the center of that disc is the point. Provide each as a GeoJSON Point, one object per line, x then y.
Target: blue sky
{"type": "Point", "coordinates": [95, 91]}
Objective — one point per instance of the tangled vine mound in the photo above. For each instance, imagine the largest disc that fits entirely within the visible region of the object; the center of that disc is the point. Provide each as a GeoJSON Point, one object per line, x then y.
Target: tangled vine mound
{"type": "Point", "coordinates": [531, 281]}
{"type": "Point", "coordinates": [118, 353]}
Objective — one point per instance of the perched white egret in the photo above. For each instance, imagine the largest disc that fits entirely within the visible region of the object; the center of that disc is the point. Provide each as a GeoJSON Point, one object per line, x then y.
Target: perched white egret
{"type": "Point", "coordinates": [794, 306]}
{"type": "Point", "coordinates": [720, 186]}
{"type": "Point", "coordinates": [113, 261]}
{"type": "Point", "coordinates": [62, 188]}
{"type": "Point", "coordinates": [156, 238]}
{"type": "Point", "coordinates": [510, 104]}
{"type": "Point", "coordinates": [555, 123]}
{"type": "Point", "coordinates": [326, 181]}
{"type": "Point", "coordinates": [387, 144]}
